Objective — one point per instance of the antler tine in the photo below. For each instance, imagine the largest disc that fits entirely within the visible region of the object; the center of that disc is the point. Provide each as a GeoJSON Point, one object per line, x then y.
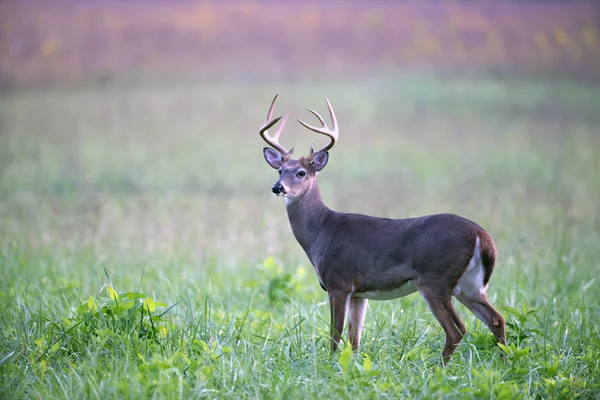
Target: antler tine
{"type": "Point", "coordinates": [271, 108]}
{"type": "Point", "coordinates": [324, 130]}
{"type": "Point", "coordinates": [316, 114]}
{"type": "Point", "coordinates": [278, 131]}
{"type": "Point", "coordinates": [273, 141]}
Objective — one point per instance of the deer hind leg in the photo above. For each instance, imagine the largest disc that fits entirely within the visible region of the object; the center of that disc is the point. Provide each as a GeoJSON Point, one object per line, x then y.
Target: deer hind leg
{"type": "Point", "coordinates": [339, 303]}
{"type": "Point", "coordinates": [440, 304]}
{"type": "Point", "coordinates": [479, 305]}
{"type": "Point", "coordinates": [358, 310]}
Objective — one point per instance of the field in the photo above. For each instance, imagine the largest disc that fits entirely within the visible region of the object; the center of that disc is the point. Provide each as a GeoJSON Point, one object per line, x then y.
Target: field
{"type": "Point", "coordinates": [142, 254]}
{"type": "Point", "coordinates": [152, 204]}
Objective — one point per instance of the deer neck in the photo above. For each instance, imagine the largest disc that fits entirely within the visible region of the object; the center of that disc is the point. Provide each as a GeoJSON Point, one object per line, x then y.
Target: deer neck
{"type": "Point", "coordinates": [307, 215]}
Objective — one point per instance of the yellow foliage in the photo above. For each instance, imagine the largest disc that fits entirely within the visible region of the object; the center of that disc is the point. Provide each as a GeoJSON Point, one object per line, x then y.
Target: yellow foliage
{"type": "Point", "coordinates": [149, 304]}
{"type": "Point", "coordinates": [367, 364]}
{"type": "Point", "coordinates": [92, 304]}
{"type": "Point", "coordinates": [561, 36]}
{"type": "Point", "coordinates": [459, 32]}
{"type": "Point", "coordinates": [112, 293]}
{"type": "Point", "coordinates": [589, 36]}
{"type": "Point", "coordinates": [50, 47]}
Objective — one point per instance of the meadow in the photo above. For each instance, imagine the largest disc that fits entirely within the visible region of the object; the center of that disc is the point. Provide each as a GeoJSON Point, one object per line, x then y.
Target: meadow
{"type": "Point", "coordinates": [142, 254]}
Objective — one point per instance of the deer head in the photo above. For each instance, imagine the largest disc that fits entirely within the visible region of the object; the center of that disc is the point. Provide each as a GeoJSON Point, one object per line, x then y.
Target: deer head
{"type": "Point", "coordinates": [296, 175]}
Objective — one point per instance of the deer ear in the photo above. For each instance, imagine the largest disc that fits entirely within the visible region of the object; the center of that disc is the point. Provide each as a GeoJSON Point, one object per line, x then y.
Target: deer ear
{"type": "Point", "coordinates": [320, 160]}
{"type": "Point", "coordinates": [273, 157]}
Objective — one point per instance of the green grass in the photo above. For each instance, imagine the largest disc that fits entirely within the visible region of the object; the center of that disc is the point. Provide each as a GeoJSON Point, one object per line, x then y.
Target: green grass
{"type": "Point", "coordinates": [160, 192]}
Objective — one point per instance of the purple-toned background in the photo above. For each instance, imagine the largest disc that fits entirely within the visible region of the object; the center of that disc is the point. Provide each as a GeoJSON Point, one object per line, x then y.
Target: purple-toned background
{"type": "Point", "coordinates": [57, 41]}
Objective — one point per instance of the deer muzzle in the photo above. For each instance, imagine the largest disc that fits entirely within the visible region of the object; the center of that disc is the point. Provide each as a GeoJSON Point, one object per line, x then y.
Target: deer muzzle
{"type": "Point", "coordinates": [278, 189]}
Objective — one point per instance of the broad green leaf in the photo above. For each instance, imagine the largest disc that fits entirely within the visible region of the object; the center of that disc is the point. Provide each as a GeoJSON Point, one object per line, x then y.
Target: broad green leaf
{"type": "Point", "coordinates": [204, 345]}
{"type": "Point", "coordinates": [54, 347]}
{"type": "Point", "coordinates": [83, 308]}
{"type": "Point", "coordinates": [126, 304]}
{"type": "Point", "coordinates": [208, 371]}
{"type": "Point", "coordinates": [551, 367]}
{"type": "Point", "coordinates": [133, 295]}
{"type": "Point", "coordinates": [512, 310]}
{"type": "Point", "coordinates": [505, 348]}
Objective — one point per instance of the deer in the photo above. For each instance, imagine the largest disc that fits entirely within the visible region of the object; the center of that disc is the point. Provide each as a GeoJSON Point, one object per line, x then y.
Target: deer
{"type": "Point", "coordinates": [358, 258]}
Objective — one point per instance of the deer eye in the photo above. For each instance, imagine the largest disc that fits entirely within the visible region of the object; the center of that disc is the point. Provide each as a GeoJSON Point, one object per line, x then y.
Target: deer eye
{"type": "Point", "coordinates": [279, 172]}
{"type": "Point", "coordinates": [301, 173]}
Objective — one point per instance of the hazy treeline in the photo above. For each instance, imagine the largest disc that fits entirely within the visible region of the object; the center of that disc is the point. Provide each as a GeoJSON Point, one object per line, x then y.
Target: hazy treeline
{"type": "Point", "coordinates": [52, 41]}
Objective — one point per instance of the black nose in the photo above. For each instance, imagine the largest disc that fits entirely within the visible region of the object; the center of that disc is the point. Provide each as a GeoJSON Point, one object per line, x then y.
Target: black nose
{"type": "Point", "coordinates": [277, 188]}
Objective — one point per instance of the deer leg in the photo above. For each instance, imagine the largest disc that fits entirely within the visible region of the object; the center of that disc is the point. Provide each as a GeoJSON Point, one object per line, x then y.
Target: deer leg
{"type": "Point", "coordinates": [481, 307]}
{"type": "Point", "coordinates": [358, 310]}
{"type": "Point", "coordinates": [440, 304]}
{"type": "Point", "coordinates": [338, 306]}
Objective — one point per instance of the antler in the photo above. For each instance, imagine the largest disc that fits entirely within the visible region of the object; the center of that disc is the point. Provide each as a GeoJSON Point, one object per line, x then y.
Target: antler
{"type": "Point", "coordinates": [273, 141]}
{"type": "Point", "coordinates": [324, 130]}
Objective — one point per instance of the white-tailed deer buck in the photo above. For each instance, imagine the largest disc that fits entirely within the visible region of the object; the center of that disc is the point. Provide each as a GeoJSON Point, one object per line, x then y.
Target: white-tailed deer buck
{"type": "Point", "coordinates": [358, 257]}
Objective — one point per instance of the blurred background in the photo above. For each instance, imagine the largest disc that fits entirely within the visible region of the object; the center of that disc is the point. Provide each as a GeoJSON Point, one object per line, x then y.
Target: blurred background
{"type": "Point", "coordinates": [129, 130]}
{"type": "Point", "coordinates": [54, 42]}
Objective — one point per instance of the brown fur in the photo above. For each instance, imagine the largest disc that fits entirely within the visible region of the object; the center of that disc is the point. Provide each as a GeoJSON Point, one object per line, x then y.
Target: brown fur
{"type": "Point", "coordinates": [306, 161]}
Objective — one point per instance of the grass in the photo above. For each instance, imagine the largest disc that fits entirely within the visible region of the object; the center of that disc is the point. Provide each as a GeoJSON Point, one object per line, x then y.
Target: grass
{"type": "Point", "coordinates": [142, 254]}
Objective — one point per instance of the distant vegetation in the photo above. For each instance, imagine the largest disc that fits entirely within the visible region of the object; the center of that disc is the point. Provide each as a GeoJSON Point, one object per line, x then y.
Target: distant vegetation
{"type": "Point", "coordinates": [55, 41]}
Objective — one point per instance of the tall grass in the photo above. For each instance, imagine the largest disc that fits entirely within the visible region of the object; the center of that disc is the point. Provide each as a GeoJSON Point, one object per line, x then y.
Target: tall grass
{"type": "Point", "coordinates": [142, 254]}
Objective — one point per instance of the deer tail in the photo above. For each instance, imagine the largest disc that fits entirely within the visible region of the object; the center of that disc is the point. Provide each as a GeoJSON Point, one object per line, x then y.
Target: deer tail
{"type": "Point", "coordinates": [488, 253]}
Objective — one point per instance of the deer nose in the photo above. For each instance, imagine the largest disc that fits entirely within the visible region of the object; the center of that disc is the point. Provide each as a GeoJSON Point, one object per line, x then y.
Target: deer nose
{"type": "Point", "coordinates": [277, 188]}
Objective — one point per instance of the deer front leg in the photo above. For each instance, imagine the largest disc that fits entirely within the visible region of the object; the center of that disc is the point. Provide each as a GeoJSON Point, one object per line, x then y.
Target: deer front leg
{"type": "Point", "coordinates": [358, 310]}
{"type": "Point", "coordinates": [338, 306]}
